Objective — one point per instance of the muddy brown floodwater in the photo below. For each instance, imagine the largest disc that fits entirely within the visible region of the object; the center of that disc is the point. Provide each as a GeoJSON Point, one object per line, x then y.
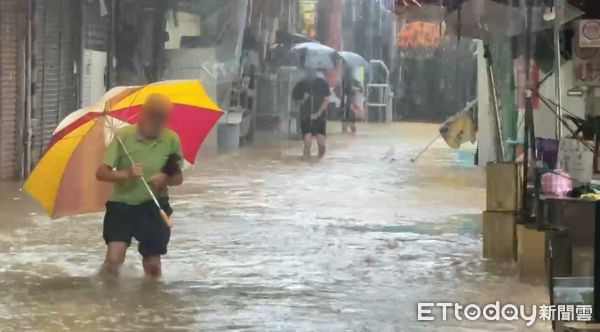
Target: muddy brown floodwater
{"type": "Point", "coordinates": [266, 242]}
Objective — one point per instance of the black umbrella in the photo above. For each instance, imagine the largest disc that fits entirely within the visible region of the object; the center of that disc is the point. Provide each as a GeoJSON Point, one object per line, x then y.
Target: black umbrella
{"type": "Point", "coordinates": [353, 60]}
{"type": "Point", "coordinates": [315, 55]}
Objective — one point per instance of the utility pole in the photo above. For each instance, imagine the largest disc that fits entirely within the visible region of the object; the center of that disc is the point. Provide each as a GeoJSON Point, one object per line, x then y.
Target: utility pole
{"type": "Point", "coordinates": [529, 130]}
{"type": "Point", "coordinates": [110, 57]}
{"type": "Point", "coordinates": [558, 9]}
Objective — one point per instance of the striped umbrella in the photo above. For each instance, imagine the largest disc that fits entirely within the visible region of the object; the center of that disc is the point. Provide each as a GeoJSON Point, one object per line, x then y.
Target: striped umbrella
{"type": "Point", "coordinates": [64, 181]}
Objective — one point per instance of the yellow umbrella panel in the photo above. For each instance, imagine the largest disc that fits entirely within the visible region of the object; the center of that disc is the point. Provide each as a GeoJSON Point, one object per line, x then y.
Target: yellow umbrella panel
{"type": "Point", "coordinates": [64, 181]}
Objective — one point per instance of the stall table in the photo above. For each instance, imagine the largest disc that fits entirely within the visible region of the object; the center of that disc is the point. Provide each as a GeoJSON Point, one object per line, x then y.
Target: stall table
{"type": "Point", "coordinates": [574, 278]}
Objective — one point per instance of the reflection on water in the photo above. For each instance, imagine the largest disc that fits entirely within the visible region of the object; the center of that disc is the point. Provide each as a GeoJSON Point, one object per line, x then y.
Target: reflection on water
{"type": "Point", "coordinates": [264, 241]}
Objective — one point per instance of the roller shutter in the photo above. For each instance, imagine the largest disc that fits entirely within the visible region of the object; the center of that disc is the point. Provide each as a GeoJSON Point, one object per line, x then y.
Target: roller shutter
{"type": "Point", "coordinates": [56, 66]}
{"type": "Point", "coordinates": [9, 85]}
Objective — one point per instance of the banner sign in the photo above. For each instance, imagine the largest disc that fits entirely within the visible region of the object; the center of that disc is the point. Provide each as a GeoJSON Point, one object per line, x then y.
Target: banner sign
{"type": "Point", "coordinates": [586, 63]}
{"type": "Point", "coordinates": [589, 33]}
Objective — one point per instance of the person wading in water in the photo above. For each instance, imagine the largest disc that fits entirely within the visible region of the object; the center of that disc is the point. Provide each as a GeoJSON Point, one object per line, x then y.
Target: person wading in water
{"type": "Point", "coordinates": [130, 210]}
{"type": "Point", "coordinates": [352, 102]}
{"type": "Point", "coordinates": [313, 95]}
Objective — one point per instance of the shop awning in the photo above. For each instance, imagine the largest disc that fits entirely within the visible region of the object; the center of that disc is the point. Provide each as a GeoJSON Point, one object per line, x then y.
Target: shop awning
{"type": "Point", "coordinates": [481, 18]}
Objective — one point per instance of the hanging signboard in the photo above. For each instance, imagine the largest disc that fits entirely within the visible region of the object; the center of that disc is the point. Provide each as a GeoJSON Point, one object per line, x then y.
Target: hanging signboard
{"type": "Point", "coordinates": [589, 33]}
{"type": "Point", "coordinates": [418, 34]}
{"type": "Point", "coordinates": [308, 17]}
{"type": "Point", "coordinates": [586, 64]}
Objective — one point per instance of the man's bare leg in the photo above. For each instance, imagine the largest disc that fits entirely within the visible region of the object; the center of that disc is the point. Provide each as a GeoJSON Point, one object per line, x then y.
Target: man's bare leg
{"type": "Point", "coordinates": [115, 256]}
{"type": "Point", "coordinates": [152, 266]}
{"type": "Point", "coordinates": [321, 143]}
{"type": "Point", "coordinates": [307, 145]}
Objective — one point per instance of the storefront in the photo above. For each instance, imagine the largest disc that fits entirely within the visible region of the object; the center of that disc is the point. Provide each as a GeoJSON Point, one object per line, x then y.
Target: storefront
{"type": "Point", "coordinates": [77, 50]}
{"type": "Point", "coordinates": [40, 71]}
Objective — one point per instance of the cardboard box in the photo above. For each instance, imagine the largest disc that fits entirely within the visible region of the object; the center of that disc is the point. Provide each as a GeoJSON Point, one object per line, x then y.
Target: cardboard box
{"type": "Point", "coordinates": [504, 187]}
{"type": "Point", "coordinates": [531, 253]}
{"type": "Point", "coordinates": [499, 238]}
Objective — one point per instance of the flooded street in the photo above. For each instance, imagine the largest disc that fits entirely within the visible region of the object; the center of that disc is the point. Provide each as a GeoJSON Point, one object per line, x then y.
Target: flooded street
{"type": "Point", "coordinates": [266, 242]}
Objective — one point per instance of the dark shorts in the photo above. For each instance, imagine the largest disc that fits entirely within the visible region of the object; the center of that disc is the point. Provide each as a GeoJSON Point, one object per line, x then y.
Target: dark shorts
{"type": "Point", "coordinates": [317, 127]}
{"type": "Point", "coordinates": [122, 222]}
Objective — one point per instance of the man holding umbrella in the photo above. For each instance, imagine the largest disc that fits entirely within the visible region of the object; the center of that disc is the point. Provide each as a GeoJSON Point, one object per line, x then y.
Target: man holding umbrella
{"type": "Point", "coordinates": [312, 94]}
{"type": "Point", "coordinates": [153, 131]}
{"type": "Point", "coordinates": [131, 211]}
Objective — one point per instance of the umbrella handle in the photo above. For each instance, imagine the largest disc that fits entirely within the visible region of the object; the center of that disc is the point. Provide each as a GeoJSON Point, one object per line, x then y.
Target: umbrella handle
{"type": "Point", "coordinates": [165, 218]}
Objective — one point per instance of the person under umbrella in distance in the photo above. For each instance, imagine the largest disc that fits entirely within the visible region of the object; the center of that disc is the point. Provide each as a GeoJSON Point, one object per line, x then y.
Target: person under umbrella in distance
{"type": "Point", "coordinates": [352, 101]}
{"type": "Point", "coordinates": [312, 93]}
{"type": "Point", "coordinates": [130, 210]}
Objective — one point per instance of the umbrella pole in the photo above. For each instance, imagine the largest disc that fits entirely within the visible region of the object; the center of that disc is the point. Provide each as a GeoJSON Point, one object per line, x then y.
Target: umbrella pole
{"type": "Point", "coordinates": [162, 212]}
{"type": "Point", "coordinates": [413, 160]}
{"type": "Point", "coordinates": [163, 215]}
{"type": "Point", "coordinates": [497, 130]}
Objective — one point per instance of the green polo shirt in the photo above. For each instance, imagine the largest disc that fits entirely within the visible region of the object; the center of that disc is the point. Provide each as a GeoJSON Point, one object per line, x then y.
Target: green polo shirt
{"type": "Point", "coordinates": [152, 154]}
